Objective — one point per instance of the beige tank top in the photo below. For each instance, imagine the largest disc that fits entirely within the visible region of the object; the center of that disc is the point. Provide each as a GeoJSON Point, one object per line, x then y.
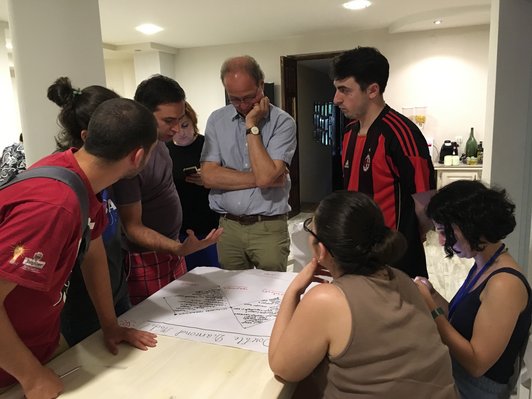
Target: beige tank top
{"type": "Point", "coordinates": [395, 350]}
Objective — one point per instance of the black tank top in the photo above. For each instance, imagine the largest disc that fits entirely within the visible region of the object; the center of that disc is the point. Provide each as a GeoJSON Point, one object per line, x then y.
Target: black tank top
{"type": "Point", "coordinates": [464, 318]}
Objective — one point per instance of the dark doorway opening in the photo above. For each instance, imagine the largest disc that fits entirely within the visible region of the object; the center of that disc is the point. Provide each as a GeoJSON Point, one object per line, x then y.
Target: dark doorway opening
{"type": "Point", "coordinates": [307, 94]}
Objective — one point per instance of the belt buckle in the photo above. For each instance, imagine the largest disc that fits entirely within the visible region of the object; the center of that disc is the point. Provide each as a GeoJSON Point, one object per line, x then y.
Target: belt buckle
{"type": "Point", "coordinates": [247, 220]}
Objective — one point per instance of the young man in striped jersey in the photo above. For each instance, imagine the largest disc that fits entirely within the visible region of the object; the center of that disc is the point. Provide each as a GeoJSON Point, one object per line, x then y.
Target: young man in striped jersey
{"type": "Point", "coordinates": [384, 153]}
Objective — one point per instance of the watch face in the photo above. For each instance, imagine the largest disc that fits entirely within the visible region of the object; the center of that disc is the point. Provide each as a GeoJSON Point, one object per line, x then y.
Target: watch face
{"type": "Point", "coordinates": [255, 130]}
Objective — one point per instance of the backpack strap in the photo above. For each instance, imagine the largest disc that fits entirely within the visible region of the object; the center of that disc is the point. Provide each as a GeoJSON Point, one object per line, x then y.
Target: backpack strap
{"type": "Point", "coordinates": [64, 175]}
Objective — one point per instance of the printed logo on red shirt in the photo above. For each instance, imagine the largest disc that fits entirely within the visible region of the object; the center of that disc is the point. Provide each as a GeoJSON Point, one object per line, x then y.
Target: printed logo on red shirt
{"type": "Point", "coordinates": [367, 163]}
{"type": "Point", "coordinates": [34, 263]}
{"type": "Point", "coordinates": [18, 251]}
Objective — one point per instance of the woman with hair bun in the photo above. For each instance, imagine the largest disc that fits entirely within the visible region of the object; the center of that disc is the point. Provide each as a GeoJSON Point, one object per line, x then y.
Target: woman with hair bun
{"type": "Point", "coordinates": [77, 106]}
{"type": "Point", "coordinates": [368, 333]}
{"type": "Point", "coordinates": [487, 322]}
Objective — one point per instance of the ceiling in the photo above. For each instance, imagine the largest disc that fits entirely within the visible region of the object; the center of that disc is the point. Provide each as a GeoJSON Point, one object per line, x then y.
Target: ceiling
{"type": "Point", "coordinates": [217, 22]}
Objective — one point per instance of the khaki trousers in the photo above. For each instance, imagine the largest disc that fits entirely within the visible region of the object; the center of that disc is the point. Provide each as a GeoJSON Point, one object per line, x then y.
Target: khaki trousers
{"type": "Point", "coordinates": [264, 245]}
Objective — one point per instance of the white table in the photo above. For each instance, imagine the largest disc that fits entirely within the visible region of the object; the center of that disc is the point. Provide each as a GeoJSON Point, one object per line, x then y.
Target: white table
{"type": "Point", "coordinates": [176, 368]}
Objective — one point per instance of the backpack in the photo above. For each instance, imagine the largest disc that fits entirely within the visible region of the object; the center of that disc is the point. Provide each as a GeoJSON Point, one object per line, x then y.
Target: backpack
{"type": "Point", "coordinates": [71, 179]}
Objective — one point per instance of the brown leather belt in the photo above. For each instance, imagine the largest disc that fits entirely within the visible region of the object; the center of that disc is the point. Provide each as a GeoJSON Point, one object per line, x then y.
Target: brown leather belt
{"type": "Point", "coordinates": [251, 219]}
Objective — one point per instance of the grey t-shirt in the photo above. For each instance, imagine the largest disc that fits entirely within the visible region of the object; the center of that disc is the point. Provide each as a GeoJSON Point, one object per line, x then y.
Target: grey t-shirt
{"type": "Point", "coordinates": [154, 187]}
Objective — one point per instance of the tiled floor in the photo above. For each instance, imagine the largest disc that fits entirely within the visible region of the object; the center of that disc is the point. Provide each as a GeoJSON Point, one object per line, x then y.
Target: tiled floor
{"type": "Point", "coordinates": [445, 274]}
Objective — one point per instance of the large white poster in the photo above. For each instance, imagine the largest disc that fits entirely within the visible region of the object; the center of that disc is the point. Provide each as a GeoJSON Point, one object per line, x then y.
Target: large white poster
{"type": "Point", "coordinates": [231, 308]}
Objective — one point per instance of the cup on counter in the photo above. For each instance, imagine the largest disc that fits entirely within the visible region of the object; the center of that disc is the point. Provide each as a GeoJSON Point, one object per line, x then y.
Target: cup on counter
{"type": "Point", "coordinates": [448, 160]}
{"type": "Point", "coordinates": [455, 161]}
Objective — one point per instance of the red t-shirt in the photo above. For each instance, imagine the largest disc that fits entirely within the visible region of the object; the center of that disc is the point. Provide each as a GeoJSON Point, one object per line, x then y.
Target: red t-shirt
{"type": "Point", "coordinates": [40, 234]}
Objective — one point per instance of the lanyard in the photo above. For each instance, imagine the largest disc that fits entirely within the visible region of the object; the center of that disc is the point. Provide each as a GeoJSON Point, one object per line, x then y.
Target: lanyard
{"type": "Point", "coordinates": [467, 285]}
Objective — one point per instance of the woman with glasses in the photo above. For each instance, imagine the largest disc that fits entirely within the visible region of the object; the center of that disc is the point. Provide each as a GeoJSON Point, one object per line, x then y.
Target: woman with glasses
{"type": "Point", "coordinates": [486, 324]}
{"type": "Point", "coordinates": [368, 333]}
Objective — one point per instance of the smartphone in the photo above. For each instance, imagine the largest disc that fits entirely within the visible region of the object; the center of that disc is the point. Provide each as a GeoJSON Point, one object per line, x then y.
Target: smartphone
{"type": "Point", "coordinates": [191, 170]}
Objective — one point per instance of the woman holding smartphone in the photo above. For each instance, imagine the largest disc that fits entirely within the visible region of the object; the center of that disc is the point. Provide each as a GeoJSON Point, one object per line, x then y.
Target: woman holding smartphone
{"type": "Point", "coordinates": [185, 150]}
{"type": "Point", "coordinates": [486, 324]}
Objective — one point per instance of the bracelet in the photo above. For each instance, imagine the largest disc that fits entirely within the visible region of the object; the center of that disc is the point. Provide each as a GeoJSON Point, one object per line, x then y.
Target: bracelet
{"type": "Point", "coordinates": [437, 312]}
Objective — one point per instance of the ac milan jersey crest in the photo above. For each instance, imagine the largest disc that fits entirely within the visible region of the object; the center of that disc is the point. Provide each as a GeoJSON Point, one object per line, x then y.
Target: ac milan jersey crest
{"type": "Point", "coordinates": [367, 163]}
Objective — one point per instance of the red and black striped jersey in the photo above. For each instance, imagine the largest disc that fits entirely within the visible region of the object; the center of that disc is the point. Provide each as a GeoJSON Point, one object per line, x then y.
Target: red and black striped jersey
{"type": "Point", "coordinates": [389, 164]}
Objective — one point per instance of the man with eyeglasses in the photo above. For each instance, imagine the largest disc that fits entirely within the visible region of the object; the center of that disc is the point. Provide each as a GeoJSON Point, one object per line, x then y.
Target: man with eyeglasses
{"type": "Point", "coordinates": [248, 146]}
{"type": "Point", "coordinates": [148, 204]}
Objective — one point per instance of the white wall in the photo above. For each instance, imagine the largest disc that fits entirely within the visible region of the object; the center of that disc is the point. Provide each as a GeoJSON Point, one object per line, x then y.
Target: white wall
{"type": "Point", "coordinates": [52, 39]}
{"type": "Point", "coordinates": [509, 118]}
{"type": "Point", "coordinates": [120, 76]}
{"type": "Point", "coordinates": [445, 70]}
{"type": "Point", "coordinates": [447, 73]}
{"type": "Point", "coordinates": [9, 120]}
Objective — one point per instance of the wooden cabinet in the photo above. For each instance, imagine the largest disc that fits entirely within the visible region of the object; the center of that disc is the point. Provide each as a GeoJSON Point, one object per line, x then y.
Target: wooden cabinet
{"type": "Point", "coordinates": [448, 174]}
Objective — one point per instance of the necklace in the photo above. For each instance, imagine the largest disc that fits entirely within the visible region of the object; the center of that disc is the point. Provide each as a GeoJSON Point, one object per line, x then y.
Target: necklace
{"type": "Point", "coordinates": [470, 282]}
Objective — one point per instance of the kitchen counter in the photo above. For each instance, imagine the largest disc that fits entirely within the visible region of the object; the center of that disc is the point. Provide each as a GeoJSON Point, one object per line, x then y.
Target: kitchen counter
{"type": "Point", "coordinates": [446, 174]}
{"type": "Point", "coordinates": [440, 166]}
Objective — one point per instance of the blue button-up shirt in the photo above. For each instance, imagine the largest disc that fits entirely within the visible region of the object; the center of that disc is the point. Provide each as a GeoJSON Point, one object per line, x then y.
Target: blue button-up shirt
{"type": "Point", "coordinates": [226, 145]}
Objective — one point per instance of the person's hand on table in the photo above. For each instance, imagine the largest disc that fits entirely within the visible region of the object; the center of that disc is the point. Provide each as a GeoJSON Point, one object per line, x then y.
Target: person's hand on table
{"type": "Point", "coordinates": [137, 338]}
{"type": "Point", "coordinates": [42, 383]}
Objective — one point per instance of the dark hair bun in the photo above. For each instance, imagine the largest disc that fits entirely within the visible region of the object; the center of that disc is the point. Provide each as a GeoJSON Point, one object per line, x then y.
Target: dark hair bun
{"type": "Point", "coordinates": [390, 249]}
{"type": "Point", "coordinates": [352, 227]}
{"type": "Point", "coordinates": [61, 91]}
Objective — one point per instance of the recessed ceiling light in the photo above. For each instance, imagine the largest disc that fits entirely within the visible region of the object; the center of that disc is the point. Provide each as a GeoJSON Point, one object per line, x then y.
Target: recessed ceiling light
{"type": "Point", "coordinates": [357, 4]}
{"type": "Point", "coordinates": [437, 22]}
{"type": "Point", "coordinates": [149, 29]}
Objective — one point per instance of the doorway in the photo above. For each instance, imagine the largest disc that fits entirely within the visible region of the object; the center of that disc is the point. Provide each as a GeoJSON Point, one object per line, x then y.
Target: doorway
{"type": "Point", "coordinates": [316, 166]}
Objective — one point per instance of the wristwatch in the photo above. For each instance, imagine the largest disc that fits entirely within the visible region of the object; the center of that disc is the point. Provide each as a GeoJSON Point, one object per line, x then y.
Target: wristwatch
{"type": "Point", "coordinates": [253, 130]}
{"type": "Point", "coordinates": [437, 312]}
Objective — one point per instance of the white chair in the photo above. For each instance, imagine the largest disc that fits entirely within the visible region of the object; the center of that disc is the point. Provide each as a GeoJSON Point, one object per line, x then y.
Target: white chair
{"type": "Point", "coordinates": [299, 250]}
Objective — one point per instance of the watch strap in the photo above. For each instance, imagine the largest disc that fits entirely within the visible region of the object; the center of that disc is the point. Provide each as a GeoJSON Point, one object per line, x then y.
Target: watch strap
{"type": "Point", "coordinates": [437, 312]}
{"type": "Point", "coordinates": [252, 129]}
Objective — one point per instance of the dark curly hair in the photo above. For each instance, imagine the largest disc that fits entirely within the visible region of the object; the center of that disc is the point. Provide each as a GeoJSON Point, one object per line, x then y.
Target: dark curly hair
{"type": "Point", "coordinates": [484, 215]}
{"type": "Point", "coordinates": [352, 227]}
{"type": "Point", "coordinates": [77, 107]}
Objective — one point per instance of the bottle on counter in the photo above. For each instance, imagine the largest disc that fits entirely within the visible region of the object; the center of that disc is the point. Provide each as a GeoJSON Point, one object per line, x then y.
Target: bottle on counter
{"type": "Point", "coordinates": [480, 153]}
{"type": "Point", "coordinates": [471, 149]}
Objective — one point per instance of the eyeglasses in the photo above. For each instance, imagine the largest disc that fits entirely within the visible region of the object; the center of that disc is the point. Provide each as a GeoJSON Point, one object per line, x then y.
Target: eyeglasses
{"type": "Point", "coordinates": [306, 227]}
{"type": "Point", "coordinates": [244, 100]}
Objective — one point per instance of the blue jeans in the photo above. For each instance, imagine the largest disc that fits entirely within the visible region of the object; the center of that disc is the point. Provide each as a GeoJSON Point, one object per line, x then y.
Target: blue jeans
{"type": "Point", "coordinates": [478, 388]}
